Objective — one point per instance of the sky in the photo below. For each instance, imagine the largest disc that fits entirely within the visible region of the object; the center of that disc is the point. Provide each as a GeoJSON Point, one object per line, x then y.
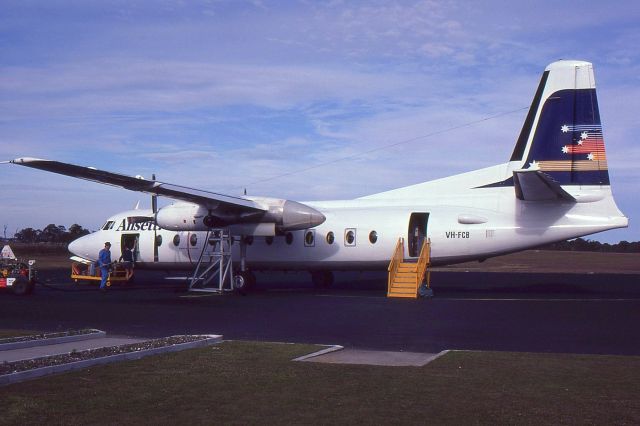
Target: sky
{"type": "Point", "coordinates": [301, 100]}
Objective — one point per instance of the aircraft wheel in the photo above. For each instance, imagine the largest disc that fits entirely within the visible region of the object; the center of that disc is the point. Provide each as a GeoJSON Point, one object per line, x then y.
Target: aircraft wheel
{"type": "Point", "coordinates": [243, 281]}
{"type": "Point", "coordinates": [322, 279]}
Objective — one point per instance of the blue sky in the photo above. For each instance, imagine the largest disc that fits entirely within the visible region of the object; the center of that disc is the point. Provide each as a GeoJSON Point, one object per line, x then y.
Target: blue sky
{"type": "Point", "coordinates": [284, 97]}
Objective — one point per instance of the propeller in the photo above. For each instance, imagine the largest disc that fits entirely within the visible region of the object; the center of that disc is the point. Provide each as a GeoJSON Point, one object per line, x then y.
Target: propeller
{"type": "Point", "coordinates": [154, 198]}
{"type": "Point", "coordinates": [154, 209]}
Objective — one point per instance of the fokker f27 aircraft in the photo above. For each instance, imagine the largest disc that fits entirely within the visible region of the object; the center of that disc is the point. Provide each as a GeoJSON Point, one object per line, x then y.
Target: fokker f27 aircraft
{"type": "Point", "coordinates": [554, 187]}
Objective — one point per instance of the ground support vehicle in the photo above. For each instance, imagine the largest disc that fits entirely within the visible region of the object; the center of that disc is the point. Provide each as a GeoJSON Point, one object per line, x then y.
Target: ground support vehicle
{"type": "Point", "coordinates": [83, 270]}
{"type": "Point", "coordinates": [17, 276]}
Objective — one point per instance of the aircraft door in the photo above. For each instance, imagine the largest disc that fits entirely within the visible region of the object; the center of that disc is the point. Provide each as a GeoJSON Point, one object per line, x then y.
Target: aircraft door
{"type": "Point", "coordinates": [131, 241]}
{"type": "Point", "coordinates": [417, 232]}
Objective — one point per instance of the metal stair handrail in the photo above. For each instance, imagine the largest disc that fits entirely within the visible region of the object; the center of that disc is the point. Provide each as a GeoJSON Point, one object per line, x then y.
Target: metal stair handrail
{"type": "Point", "coordinates": [423, 261]}
{"type": "Point", "coordinates": [396, 260]}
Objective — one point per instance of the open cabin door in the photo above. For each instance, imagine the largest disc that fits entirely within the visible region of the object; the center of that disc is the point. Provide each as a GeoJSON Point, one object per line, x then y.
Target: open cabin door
{"type": "Point", "coordinates": [131, 241]}
{"type": "Point", "coordinates": [417, 232]}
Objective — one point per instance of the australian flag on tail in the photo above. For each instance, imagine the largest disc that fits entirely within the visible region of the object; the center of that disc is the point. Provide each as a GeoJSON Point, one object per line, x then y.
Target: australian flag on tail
{"type": "Point", "coordinates": [568, 143]}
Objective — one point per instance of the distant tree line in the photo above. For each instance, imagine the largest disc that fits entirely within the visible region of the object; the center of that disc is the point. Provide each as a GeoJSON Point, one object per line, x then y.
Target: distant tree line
{"type": "Point", "coordinates": [580, 244]}
{"type": "Point", "coordinates": [52, 233]}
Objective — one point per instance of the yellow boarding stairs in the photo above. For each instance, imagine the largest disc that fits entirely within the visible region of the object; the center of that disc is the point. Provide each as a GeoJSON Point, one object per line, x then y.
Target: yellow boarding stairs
{"type": "Point", "coordinates": [405, 278]}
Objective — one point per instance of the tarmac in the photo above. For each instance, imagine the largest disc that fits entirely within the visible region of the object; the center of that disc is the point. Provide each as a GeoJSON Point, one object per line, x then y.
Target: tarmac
{"type": "Point", "coordinates": [526, 312]}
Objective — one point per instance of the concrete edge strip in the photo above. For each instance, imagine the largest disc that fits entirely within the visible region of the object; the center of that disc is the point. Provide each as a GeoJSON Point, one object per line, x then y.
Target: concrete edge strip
{"type": "Point", "coordinates": [334, 348]}
{"type": "Point", "coordinates": [21, 376]}
{"type": "Point", "coordinates": [95, 334]}
{"type": "Point", "coordinates": [436, 356]}
{"type": "Point", "coordinates": [331, 348]}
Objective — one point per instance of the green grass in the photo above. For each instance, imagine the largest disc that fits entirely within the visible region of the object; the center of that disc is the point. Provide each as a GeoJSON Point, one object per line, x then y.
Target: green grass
{"type": "Point", "coordinates": [256, 383]}
{"type": "Point", "coordinates": [5, 334]}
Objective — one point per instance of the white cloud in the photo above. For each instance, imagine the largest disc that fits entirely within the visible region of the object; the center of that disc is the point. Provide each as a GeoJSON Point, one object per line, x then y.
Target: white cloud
{"type": "Point", "coordinates": [224, 94]}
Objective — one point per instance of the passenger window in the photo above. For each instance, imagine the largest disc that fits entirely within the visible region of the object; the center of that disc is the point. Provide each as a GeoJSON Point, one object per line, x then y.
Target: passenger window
{"type": "Point", "coordinates": [373, 237]}
{"type": "Point", "coordinates": [193, 240]}
{"type": "Point", "coordinates": [176, 240]}
{"type": "Point", "coordinates": [289, 238]}
{"type": "Point", "coordinates": [158, 240]}
{"type": "Point", "coordinates": [309, 238]}
{"type": "Point", "coordinates": [330, 237]}
{"type": "Point", "coordinates": [350, 237]}
{"type": "Point", "coordinates": [268, 240]}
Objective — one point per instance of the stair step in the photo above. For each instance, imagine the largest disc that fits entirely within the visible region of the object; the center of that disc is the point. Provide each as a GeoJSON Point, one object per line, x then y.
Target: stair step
{"type": "Point", "coordinates": [406, 274]}
{"type": "Point", "coordinates": [406, 268]}
{"type": "Point", "coordinates": [404, 289]}
{"type": "Point", "coordinates": [404, 282]}
{"type": "Point", "coordinates": [403, 295]}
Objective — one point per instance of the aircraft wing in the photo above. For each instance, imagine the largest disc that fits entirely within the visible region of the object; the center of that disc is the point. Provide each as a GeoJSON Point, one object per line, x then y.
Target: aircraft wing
{"type": "Point", "coordinates": [534, 185]}
{"type": "Point", "coordinates": [205, 209]}
{"type": "Point", "coordinates": [209, 200]}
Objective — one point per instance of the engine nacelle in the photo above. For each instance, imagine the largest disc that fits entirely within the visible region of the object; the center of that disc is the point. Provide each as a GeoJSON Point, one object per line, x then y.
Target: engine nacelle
{"type": "Point", "coordinates": [182, 217]}
{"type": "Point", "coordinates": [283, 215]}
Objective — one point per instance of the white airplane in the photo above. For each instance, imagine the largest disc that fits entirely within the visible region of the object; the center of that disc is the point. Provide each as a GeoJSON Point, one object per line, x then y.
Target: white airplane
{"type": "Point", "coordinates": [554, 187]}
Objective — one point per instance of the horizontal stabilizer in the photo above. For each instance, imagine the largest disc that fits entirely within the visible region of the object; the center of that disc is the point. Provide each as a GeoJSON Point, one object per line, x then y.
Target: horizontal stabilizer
{"type": "Point", "coordinates": [534, 185]}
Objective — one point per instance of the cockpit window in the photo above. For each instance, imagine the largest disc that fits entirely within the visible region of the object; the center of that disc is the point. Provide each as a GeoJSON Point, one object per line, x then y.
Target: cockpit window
{"type": "Point", "coordinates": [108, 225]}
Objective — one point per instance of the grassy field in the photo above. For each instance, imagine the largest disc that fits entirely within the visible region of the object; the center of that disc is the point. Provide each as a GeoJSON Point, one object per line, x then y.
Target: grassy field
{"type": "Point", "coordinates": [257, 383]}
{"type": "Point", "coordinates": [15, 333]}
{"type": "Point", "coordinates": [555, 261]}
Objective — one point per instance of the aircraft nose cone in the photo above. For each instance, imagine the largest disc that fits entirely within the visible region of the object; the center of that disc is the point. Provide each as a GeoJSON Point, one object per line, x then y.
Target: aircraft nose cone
{"type": "Point", "coordinates": [73, 246]}
{"type": "Point", "coordinates": [81, 247]}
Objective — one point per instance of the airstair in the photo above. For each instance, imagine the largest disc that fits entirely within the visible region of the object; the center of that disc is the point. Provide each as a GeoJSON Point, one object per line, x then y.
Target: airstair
{"type": "Point", "coordinates": [405, 278]}
{"type": "Point", "coordinates": [213, 271]}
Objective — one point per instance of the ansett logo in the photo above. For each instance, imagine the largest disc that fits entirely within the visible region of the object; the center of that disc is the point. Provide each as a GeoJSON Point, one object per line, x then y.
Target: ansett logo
{"type": "Point", "coordinates": [137, 226]}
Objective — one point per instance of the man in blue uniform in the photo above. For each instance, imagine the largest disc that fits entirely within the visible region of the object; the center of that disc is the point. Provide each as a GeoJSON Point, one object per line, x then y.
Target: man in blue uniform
{"type": "Point", "coordinates": [104, 263]}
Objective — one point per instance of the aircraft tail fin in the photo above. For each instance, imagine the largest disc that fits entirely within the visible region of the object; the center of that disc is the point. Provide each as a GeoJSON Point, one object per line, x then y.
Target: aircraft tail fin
{"type": "Point", "coordinates": [562, 134]}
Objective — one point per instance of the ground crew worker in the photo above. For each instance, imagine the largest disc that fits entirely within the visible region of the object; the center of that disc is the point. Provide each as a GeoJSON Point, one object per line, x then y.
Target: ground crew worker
{"type": "Point", "coordinates": [104, 263]}
{"type": "Point", "coordinates": [127, 261]}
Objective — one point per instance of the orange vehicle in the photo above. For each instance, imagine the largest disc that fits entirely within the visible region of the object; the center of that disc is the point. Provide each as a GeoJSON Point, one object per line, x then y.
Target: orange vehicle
{"type": "Point", "coordinates": [81, 270]}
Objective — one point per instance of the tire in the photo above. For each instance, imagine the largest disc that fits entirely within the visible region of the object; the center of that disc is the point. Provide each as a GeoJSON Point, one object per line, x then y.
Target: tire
{"type": "Point", "coordinates": [241, 282]}
{"type": "Point", "coordinates": [244, 281]}
{"type": "Point", "coordinates": [21, 286]}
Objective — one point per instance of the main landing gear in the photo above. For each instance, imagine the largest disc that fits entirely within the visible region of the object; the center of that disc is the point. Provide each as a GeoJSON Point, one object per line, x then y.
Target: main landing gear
{"type": "Point", "coordinates": [244, 281]}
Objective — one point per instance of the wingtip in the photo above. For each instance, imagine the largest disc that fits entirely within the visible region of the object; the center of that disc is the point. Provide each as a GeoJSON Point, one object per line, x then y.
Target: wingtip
{"type": "Point", "coordinates": [23, 160]}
